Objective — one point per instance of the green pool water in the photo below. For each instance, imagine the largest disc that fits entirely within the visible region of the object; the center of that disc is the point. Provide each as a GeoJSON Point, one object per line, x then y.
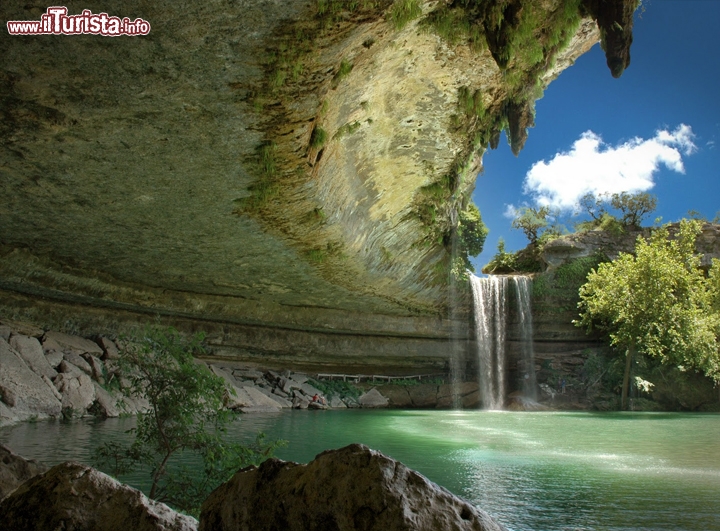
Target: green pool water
{"type": "Point", "coordinates": [531, 471]}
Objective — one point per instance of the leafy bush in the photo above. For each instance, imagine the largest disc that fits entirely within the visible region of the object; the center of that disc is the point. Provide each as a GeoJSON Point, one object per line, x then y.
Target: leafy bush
{"type": "Point", "coordinates": [186, 415]}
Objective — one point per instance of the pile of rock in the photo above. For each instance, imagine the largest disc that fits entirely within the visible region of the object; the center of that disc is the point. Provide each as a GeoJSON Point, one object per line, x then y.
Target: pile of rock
{"type": "Point", "coordinates": [253, 390]}
{"type": "Point", "coordinates": [46, 374]}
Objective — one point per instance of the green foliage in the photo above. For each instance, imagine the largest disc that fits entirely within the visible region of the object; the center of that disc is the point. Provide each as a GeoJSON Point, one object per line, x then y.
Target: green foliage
{"type": "Point", "coordinates": [531, 221]}
{"type": "Point", "coordinates": [634, 207]}
{"type": "Point", "coordinates": [502, 262]}
{"type": "Point", "coordinates": [564, 282]}
{"type": "Point", "coordinates": [471, 103]}
{"type": "Point", "coordinates": [186, 415]}
{"type": "Point", "coordinates": [403, 11]}
{"type": "Point", "coordinates": [347, 129]}
{"type": "Point", "coordinates": [318, 138]}
{"type": "Point", "coordinates": [453, 24]}
{"type": "Point", "coordinates": [657, 302]}
{"type": "Point", "coordinates": [343, 71]}
{"type": "Point", "coordinates": [471, 231]}
{"type": "Point", "coordinates": [337, 388]}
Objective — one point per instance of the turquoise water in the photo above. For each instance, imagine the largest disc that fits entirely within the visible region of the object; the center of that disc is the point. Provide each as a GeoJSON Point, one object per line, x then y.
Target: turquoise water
{"type": "Point", "coordinates": [531, 471]}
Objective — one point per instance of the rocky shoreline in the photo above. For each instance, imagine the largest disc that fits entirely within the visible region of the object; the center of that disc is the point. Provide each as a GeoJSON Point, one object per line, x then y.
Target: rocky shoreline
{"type": "Point", "coordinates": [49, 374]}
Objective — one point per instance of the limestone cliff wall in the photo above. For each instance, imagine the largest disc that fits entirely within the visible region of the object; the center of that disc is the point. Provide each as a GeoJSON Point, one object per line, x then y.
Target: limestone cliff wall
{"type": "Point", "coordinates": [255, 164]}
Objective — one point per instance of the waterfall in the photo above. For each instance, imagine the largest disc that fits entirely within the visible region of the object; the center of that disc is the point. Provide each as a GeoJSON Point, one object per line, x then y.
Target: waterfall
{"type": "Point", "coordinates": [526, 361]}
{"type": "Point", "coordinates": [490, 323]}
{"type": "Point", "coordinates": [490, 296]}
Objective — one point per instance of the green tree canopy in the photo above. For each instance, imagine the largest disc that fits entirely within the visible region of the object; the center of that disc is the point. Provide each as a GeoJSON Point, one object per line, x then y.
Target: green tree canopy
{"type": "Point", "coordinates": [657, 302]}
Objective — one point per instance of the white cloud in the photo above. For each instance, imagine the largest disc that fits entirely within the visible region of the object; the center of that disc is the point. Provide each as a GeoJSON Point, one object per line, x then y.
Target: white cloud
{"type": "Point", "coordinates": [593, 166]}
{"type": "Point", "coordinates": [510, 211]}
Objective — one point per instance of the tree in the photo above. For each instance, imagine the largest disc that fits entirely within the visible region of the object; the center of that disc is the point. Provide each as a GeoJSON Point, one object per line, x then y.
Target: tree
{"type": "Point", "coordinates": [634, 207]}
{"type": "Point", "coordinates": [531, 221]}
{"type": "Point", "coordinates": [186, 414]}
{"type": "Point", "coordinates": [471, 230]}
{"type": "Point", "coordinates": [657, 303]}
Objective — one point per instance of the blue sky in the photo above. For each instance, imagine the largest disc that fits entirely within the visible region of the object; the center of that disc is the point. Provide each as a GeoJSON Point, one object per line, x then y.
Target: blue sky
{"type": "Point", "coordinates": [654, 129]}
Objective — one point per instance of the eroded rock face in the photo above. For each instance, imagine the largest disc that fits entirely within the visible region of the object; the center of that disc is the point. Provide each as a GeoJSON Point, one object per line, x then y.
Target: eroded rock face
{"type": "Point", "coordinates": [75, 496]}
{"type": "Point", "coordinates": [350, 489]}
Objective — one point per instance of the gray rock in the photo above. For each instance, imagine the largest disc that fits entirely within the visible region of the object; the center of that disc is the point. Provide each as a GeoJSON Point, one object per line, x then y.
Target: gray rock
{"type": "Point", "coordinates": [351, 402]}
{"type": "Point", "coordinates": [248, 374]}
{"type": "Point", "coordinates": [300, 403]}
{"type": "Point", "coordinates": [5, 332]}
{"type": "Point", "coordinates": [50, 345]}
{"type": "Point", "coordinates": [15, 470]}
{"type": "Point", "coordinates": [109, 348]}
{"type": "Point", "coordinates": [22, 390]}
{"type": "Point", "coordinates": [353, 488]}
{"type": "Point", "coordinates": [32, 353]}
{"type": "Point", "coordinates": [96, 366]}
{"type": "Point", "coordinates": [7, 416]}
{"type": "Point", "coordinates": [76, 497]}
{"type": "Point", "coordinates": [279, 392]}
{"type": "Point", "coordinates": [373, 398]}
{"type": "Point", "coordinates": [76, 344]}
{"type": "Point", "coordinates": [105, 404]}
{"type": "Point", "coordinates": [78, 393]}
{"type": "Point", "coordinates": [280, 401]}
{"type": "Point", "coordinates": [78, 361]}
{"type": "Point", "coordinates": [132, 405]}
{"type": "Point", "coordinates": [310, 390]}
{"type": "Point", "coordinates": [299, 377]}
{"type": "Point", "coordinates": [251, 397]}
{"type": "Point", "coordinates": [336, 403]}
{"type": "Point", "coordinates": [423, 395]}
{"type": "Point", "coordinates": [68, 368]}
{"type": "Point", "coordinates": [52, 387]}
{"type": "Point", "coordinates": [54, 358]}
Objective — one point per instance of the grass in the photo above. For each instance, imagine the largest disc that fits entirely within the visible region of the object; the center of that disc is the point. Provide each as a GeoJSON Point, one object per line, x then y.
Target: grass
{"type": "Point", "coordinates": [343, 71]}
{"type": "Point", "coordinates": [318, 138]}
{"type": "Point", "coordinates": [347, 129]}
{"type": "Point", "coordinates": [265, 188]}
{"type": "Point", "coordinates": [404, 11]}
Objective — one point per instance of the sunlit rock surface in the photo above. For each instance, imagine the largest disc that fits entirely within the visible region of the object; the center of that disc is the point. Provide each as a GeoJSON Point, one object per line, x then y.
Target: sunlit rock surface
{"type": "Point", "coordinates": [344, 490]}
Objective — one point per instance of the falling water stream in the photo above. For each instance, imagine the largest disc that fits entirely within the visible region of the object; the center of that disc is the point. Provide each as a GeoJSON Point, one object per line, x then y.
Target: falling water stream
{"type": "Point", "coordinates": [490, 297]}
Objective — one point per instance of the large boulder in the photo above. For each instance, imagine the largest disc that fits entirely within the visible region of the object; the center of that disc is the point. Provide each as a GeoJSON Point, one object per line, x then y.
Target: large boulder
{"type": "Point", "coordinates": [76, 344]}
{"type": "Point", "coordinates": [373, 398]}
{"type": "Point", "coordinates": [23, 391]}
{"type": "Point", "coordinates": [78, 393]}
{"type": "Point", "coordinates": [15, 470]}
{"type": "Point", "coordinates": [76, 497]}
{"type": "Point", "coordinates": [31, 352]}
{"type": "Point", "coordinates": [353, 488]}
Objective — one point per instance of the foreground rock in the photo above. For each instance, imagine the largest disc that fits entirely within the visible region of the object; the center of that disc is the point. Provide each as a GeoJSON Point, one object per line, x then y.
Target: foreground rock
{"type": "Point", "coordinates": [15, 470]}
{"type": "Point", "coordinates": [72, 496]}
{"type": "Point", "coordinates": [350, 489]}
